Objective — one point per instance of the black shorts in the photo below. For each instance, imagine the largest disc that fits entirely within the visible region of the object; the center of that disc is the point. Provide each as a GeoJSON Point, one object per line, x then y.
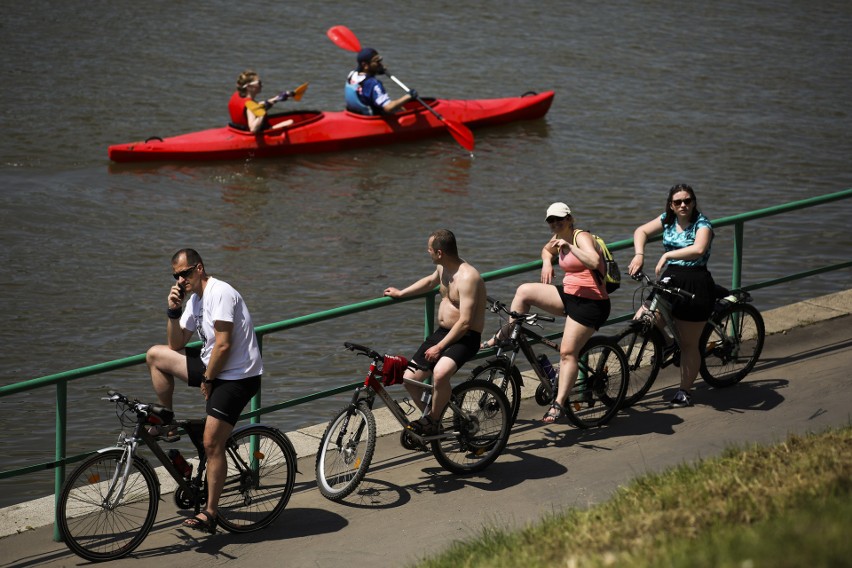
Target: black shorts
{"type": "Point", "coordinates": [696, 280]}
{"type": "Point", "coordinates": [585, 311]}
{"type": "Point", "coordinates": [227, 398]}
{"type": "Point", "coordinates": [461, 351]}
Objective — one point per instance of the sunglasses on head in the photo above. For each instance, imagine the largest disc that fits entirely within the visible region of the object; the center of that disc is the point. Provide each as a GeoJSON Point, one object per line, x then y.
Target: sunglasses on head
{"type": "Point", "coordinates": [679, 202]}
{"type": "Point", "coordinates": [184, 273]}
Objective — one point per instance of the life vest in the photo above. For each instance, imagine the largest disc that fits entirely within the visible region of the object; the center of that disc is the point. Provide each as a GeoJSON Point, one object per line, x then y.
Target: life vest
{"type": "Point", "coordinates": [237, 110]}
{"type": "Point", "coordinates": [350, 93]}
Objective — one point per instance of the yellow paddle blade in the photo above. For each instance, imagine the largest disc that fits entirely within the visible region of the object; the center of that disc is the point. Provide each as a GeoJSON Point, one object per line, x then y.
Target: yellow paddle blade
{"type": "Point", "coordinates": [255, 108]}
{"type": "Point", "coordinates": [299, 91]}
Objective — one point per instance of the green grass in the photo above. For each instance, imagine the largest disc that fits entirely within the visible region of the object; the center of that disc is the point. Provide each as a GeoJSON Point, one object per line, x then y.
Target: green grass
{"type": "Point", "coordinates": [784, 505]}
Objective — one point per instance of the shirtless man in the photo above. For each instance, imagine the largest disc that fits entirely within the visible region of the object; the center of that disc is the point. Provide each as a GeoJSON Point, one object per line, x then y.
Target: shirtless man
{"type": "Point", "coordinates": [461, 318]}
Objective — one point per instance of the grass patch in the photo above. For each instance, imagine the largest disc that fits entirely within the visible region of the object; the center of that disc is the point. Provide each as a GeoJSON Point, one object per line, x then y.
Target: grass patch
{"type": "Point", "coordinates": [785, 505]}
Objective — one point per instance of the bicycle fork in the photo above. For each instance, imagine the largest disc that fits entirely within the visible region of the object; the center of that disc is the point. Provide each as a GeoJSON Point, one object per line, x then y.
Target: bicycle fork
{"type": "Point", "coordinates": [118, 483]}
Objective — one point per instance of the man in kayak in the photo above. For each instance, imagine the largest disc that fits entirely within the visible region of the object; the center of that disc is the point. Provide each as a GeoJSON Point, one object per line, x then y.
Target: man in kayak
{"type": "Point", "coordinates": [461, 318]}
{"type": "Point", "coordinates": [246, 112]}
{"type": "Point", "coordinates": [364, 93]}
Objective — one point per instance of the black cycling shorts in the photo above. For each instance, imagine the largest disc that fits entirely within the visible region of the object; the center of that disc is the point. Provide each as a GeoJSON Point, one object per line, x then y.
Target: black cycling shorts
{"type": "Point", "coordinates": [461, 351]}
{"type": "Point", "coordinates": [696, 280]}
{"type": "Point", "coordinates": [585, 311]}
{"type": "Point", "coordinates": [227, 398]}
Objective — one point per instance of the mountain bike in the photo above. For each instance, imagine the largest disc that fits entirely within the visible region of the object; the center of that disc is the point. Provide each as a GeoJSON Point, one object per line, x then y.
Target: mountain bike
{"type": "Point", "coordinates": [730, 343]}
{"type": "Point", "coordinates": [109, 503]}
{"type": "Point", "coordinates": [601, 382]}
{"type": "Point", "coordinates": [474, 428]}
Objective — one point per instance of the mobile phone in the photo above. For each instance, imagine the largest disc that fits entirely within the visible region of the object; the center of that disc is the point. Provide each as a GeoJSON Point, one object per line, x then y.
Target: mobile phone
{"type": "Point", "coordinates": [181, 290]}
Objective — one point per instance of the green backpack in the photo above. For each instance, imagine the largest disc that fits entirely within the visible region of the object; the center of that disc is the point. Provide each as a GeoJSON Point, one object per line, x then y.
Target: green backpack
{"type": "Point", "coordinates": [613, 274]}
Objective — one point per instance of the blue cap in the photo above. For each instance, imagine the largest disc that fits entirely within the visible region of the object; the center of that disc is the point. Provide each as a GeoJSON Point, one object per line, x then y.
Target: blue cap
{"type": "Point", "coordinates": [366, 54]}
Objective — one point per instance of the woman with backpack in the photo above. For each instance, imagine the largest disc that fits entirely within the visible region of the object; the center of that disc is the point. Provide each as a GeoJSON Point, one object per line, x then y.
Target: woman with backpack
{"type": "Point", "coordinates": [581, 296]}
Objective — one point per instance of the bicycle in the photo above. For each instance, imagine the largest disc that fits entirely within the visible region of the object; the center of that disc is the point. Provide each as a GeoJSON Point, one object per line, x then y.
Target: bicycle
{"type": "Point", "coordinates": [731, 341]}
{"type": "Point", "coordinates": [108, 505]}
{"type": "Point", "coordinates": [601, 382]}
{"type": "Point", "coordinates": [474, 428]}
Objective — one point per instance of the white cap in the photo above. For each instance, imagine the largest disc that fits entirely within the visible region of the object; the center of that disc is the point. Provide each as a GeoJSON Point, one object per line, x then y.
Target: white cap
{"type": "Point", "coordinates": [558, 209]}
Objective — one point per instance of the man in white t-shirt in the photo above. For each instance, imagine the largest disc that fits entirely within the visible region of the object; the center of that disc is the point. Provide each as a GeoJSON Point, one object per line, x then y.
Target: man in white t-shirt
{"type": "Point", "coordinates": [226, 369]}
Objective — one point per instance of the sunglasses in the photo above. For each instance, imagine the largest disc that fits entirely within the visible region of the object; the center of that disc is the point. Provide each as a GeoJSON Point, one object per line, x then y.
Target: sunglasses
{"type": "Point", "coordinates": [679, 202]}
{"type": "Point", "coordinates": [184, 273]}
{"type": "Point", "coordinates": [552, 220]}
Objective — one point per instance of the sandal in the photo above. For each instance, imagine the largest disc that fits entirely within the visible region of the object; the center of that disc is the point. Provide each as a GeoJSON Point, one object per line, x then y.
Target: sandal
{"type": "Point", "coordinates": [163, 433]}
{"type": "Point", "coordinates": [207, 526]}
{"type": "Point", "coordinates": [551, 417]}
{"type": "Point", "coordinates": [426, 426]}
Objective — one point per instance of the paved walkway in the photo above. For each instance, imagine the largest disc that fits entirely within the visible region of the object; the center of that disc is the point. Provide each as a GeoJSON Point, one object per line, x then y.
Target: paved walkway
{"type": "Point", "coordinates": [408, 507]}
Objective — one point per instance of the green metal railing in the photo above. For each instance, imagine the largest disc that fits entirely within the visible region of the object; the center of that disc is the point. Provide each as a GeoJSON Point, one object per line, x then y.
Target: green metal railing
{"type": "Point", "coordinates": [60, 380]}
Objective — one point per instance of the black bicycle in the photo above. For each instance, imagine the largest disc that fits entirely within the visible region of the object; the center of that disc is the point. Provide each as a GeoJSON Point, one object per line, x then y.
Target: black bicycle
{"type": "Point", "coordinates": [730, 344]}
{"type": "Point", "coordinates": [601, 383]}
{"type": "Point", "coordinates": [109, 503]}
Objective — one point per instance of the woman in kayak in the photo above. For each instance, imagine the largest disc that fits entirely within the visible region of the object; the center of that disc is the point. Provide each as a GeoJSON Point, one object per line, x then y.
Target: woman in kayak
{"type": "Point", "coordinates": [246, 112]}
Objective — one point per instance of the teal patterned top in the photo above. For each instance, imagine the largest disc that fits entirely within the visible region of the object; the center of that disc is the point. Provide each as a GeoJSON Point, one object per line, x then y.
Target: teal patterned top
{"type": "Point", "coordinates": [674, 240]}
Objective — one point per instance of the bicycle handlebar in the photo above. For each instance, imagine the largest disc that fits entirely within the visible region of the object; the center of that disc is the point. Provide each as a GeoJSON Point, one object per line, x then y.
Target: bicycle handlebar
{"type": "Point", "coordinates": [375, 355]}
{"type": "Point", "coordinates": [529, 317]}
{"type": "Point", "coordinates": [674, 290]}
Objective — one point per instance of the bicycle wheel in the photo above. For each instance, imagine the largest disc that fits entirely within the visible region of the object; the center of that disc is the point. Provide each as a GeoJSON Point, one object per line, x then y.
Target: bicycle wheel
{"type": "Point", "coordinates": [601, 385]}
{"type": "Point", "coordinates": [732, 343]}
{"type": "Point", "coordinates": [507, 379]}
{"type": "Point", "coordinates": [345, 451]}
{"type": "Point", "coordinates": [97, 524]}
{"type": "Point", "coordinates": [260, 479]}
{"type": "Point", "coordinates": [480, 433]}
{"type": "Point", "coordinates": [644, 352]}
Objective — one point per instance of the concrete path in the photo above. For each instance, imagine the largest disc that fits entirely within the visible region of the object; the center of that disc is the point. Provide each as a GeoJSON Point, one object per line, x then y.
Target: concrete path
{"type": "Point", "coordinates": [409, 507]}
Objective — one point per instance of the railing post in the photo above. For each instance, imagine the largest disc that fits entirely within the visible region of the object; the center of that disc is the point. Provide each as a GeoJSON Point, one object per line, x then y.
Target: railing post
{"type": "Point", "coordinates": [429, 316]}
{"type": "Point", "coordinates": [737, 271]}
{"type": "Point", "coordinates": [255, 400]}
{"type": "Point", "coordinates": [59, 471]}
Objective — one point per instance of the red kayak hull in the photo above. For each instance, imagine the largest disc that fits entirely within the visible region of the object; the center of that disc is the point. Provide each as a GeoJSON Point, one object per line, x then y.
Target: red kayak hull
{"type": "Point", "coordinates": [318, 131]}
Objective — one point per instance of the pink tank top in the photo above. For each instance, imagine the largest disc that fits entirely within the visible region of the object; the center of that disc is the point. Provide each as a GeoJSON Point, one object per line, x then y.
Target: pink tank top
{"type": "Point", "coordinates": [579, 280]}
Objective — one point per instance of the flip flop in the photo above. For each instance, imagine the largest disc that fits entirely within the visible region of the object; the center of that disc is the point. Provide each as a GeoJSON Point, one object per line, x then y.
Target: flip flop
{"type": "Point", "coordinates": [426, 426]}
{"type": "Point", "coordinates": [162, 433]}
{"type": "Point", "coordinates": [208, 526]}
{"type": "Point", "coordinates": [550, 418]}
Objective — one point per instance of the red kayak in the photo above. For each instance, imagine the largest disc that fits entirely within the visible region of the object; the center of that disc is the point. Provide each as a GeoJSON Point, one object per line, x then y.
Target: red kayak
{"type": "Point", "coordinates": [318, 131]}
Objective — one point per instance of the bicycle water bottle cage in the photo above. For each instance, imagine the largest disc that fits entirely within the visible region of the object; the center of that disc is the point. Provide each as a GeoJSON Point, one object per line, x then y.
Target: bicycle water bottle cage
{"type": "Point", "coordinates": [393, 367]}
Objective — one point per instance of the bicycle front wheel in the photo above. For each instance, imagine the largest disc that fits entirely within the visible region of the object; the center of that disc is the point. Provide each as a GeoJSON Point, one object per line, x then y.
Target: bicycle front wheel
{"type": "Point", "coordinates": [731, 343]}
{"type": "Point", "coordinates": [261, 474]}
{"type": "Point", "coordinates": [345, 451]}
{"type": "Point", "coordinates": [480, 431]}
{"type": "Point", "coordinates": [601, 384]}
{"type": "Point", "coordinates": [507, 378]}
{"type": "Point", "coordinates": [97, 519]}
{"type": "Point", "coordinates": [644, 353]}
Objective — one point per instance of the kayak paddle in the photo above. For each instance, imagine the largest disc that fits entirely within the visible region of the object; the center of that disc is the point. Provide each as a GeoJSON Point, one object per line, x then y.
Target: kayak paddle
{"type": "Point", "coordinates": [343, 38]}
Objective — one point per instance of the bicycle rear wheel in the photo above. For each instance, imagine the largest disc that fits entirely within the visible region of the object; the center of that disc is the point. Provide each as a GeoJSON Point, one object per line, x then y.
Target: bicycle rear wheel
{"type": "Point", "coordinates": [99, 525]}
{"type": "Point", "coordinates": [506, 378]}
{"type": "Point", "coordinates": [601, 385]}
{"type": "Point", "coordinates": [480, 433]}
{"type": "Point", "coordinates": [644, 353]}
{"type": "Point", "coordinates": [732, 343]}
{"type": "Point", "coordinates": [260, 479]}
{"type": "Point", "coordinates": [345, 451]}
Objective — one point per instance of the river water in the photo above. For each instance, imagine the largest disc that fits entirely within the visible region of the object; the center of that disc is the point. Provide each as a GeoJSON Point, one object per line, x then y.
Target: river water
{"type": "Point", "coordinates": [748, 101]}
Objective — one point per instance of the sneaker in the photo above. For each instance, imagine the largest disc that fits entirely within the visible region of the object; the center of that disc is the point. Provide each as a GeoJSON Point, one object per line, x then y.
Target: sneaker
{"type": "Point", "coordinates": [681, 399]}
